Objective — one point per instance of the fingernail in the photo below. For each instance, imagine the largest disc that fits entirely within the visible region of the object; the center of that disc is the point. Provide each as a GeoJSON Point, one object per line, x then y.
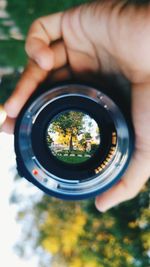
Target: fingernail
{"type": "Point", "coordinates": [11, 108]}
{"type": "Point", "coordinates": [43, 64]}
{"type": "Point", "coordinates": [100, 207]}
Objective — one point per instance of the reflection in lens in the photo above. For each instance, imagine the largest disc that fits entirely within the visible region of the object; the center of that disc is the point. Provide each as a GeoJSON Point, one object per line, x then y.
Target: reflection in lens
{"type": "Point", "coordinates": [73, 137]}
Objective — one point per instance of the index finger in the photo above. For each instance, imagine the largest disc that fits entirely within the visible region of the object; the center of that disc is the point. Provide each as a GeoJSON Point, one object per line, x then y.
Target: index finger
{"type": "Point", "coordinates": [42, 33]}
{"type": "Point", "coordinates": [32, 76]}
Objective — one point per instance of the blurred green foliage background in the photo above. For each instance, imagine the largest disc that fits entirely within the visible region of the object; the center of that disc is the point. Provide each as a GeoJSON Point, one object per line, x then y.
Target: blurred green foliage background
{"type": "Point", "coordinates": [15, 20]}
{"type": "Point", "coordinates": [74, 234]}
{"type": "Point", "coordinates": [23, 13]}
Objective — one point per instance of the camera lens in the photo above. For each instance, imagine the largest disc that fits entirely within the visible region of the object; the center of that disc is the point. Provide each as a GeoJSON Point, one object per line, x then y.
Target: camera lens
{"type": "Point", "coordinates": [73, 137]}
{"type": "Point", "coordinates": [72, 141]}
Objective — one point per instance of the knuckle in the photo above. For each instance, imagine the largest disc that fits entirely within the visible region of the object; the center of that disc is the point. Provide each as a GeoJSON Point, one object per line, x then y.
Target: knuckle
{"type": "Point", "coordinates": [35, 24]}
{"type": "Point", "coordinates": [30, 35]}
{"type": "Point", "coordinates": [34, 27]}
{"type": "Point", "coordinates": [33, 33]}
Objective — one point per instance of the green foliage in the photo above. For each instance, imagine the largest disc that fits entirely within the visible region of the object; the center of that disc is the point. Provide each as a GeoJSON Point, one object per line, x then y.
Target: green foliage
{"type": "Point", "coordinates": [12, 54]}
{"type": "Point", "coordinates": [76, 234]}
{"type": "Point", "coordinates": [68, 122]}
{"type": "Point", "coordinates": [94, 147]}
{"type": "Point", "coordinates": [83, 141]}
{"type": "Point", "coordinates": [30, 10]}
{"type": "Point", "coordinates": [49, 140]}
{"type": "Point", "coordinates": [7, 85]}
{"type": "Point", "coordinates": [21, 15]}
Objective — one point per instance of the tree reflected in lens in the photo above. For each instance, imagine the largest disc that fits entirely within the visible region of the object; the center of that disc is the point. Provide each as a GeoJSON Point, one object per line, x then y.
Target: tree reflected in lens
{"type": "Point", "coordinates": [73, 137]}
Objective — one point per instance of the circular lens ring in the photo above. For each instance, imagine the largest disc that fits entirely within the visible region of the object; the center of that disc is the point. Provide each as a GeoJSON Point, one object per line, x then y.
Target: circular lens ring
{"type": "Point", "coordinates": [55, 167]}
{"type": "Point", "coordinates": [51, 184]}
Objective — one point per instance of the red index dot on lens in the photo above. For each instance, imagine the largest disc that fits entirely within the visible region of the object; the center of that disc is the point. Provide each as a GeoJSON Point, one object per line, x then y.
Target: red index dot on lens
{"type": "Point", "coordinates": [35, 172]}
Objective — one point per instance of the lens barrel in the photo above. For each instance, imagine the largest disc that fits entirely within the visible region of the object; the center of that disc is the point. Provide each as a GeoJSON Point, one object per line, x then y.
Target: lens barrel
{"type": "Point", "coordinates": [73, 141]}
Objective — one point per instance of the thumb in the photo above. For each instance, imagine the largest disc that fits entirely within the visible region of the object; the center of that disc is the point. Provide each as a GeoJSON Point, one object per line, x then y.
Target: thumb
{"type": "Point", "coordinates": [135, 177]}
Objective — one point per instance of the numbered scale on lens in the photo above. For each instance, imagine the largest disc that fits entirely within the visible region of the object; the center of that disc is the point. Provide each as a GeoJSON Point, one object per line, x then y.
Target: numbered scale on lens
{"type": "Point", "coordinates": [72, 142]}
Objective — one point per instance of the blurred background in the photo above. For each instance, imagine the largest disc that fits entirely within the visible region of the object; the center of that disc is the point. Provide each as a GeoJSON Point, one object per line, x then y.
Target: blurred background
{"type": "Point", "coordinates": [37, 230]}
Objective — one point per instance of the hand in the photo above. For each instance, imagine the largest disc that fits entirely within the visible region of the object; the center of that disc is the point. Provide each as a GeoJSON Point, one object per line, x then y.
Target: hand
{"type": "Point", "coordinates": [99, 37]}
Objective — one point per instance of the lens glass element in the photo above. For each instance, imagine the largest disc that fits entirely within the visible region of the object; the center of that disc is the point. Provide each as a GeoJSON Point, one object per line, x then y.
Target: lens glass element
{"type": "Point", "coordinates": [73, 136]}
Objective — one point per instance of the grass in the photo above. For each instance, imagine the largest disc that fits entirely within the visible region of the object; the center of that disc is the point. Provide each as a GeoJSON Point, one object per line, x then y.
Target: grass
{"type": "Point", "coordinates": [72, 160]}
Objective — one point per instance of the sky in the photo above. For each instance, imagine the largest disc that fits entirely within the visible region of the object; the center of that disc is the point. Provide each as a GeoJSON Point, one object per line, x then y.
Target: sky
{"type": "Point", "coordinates": [10, 230]}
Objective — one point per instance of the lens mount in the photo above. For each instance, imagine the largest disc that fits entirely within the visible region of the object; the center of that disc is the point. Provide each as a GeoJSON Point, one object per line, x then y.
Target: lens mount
{"type": "Point", "coordinates": [56, 177]}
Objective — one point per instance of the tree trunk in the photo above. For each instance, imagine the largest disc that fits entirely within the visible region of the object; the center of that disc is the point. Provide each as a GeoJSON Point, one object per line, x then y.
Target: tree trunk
{"type": "Point", "coordinates": [71, 143]}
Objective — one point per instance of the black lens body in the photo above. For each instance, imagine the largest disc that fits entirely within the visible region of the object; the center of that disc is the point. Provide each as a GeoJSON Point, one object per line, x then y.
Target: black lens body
{"type": "Point", "coordinates": [55, 177]}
